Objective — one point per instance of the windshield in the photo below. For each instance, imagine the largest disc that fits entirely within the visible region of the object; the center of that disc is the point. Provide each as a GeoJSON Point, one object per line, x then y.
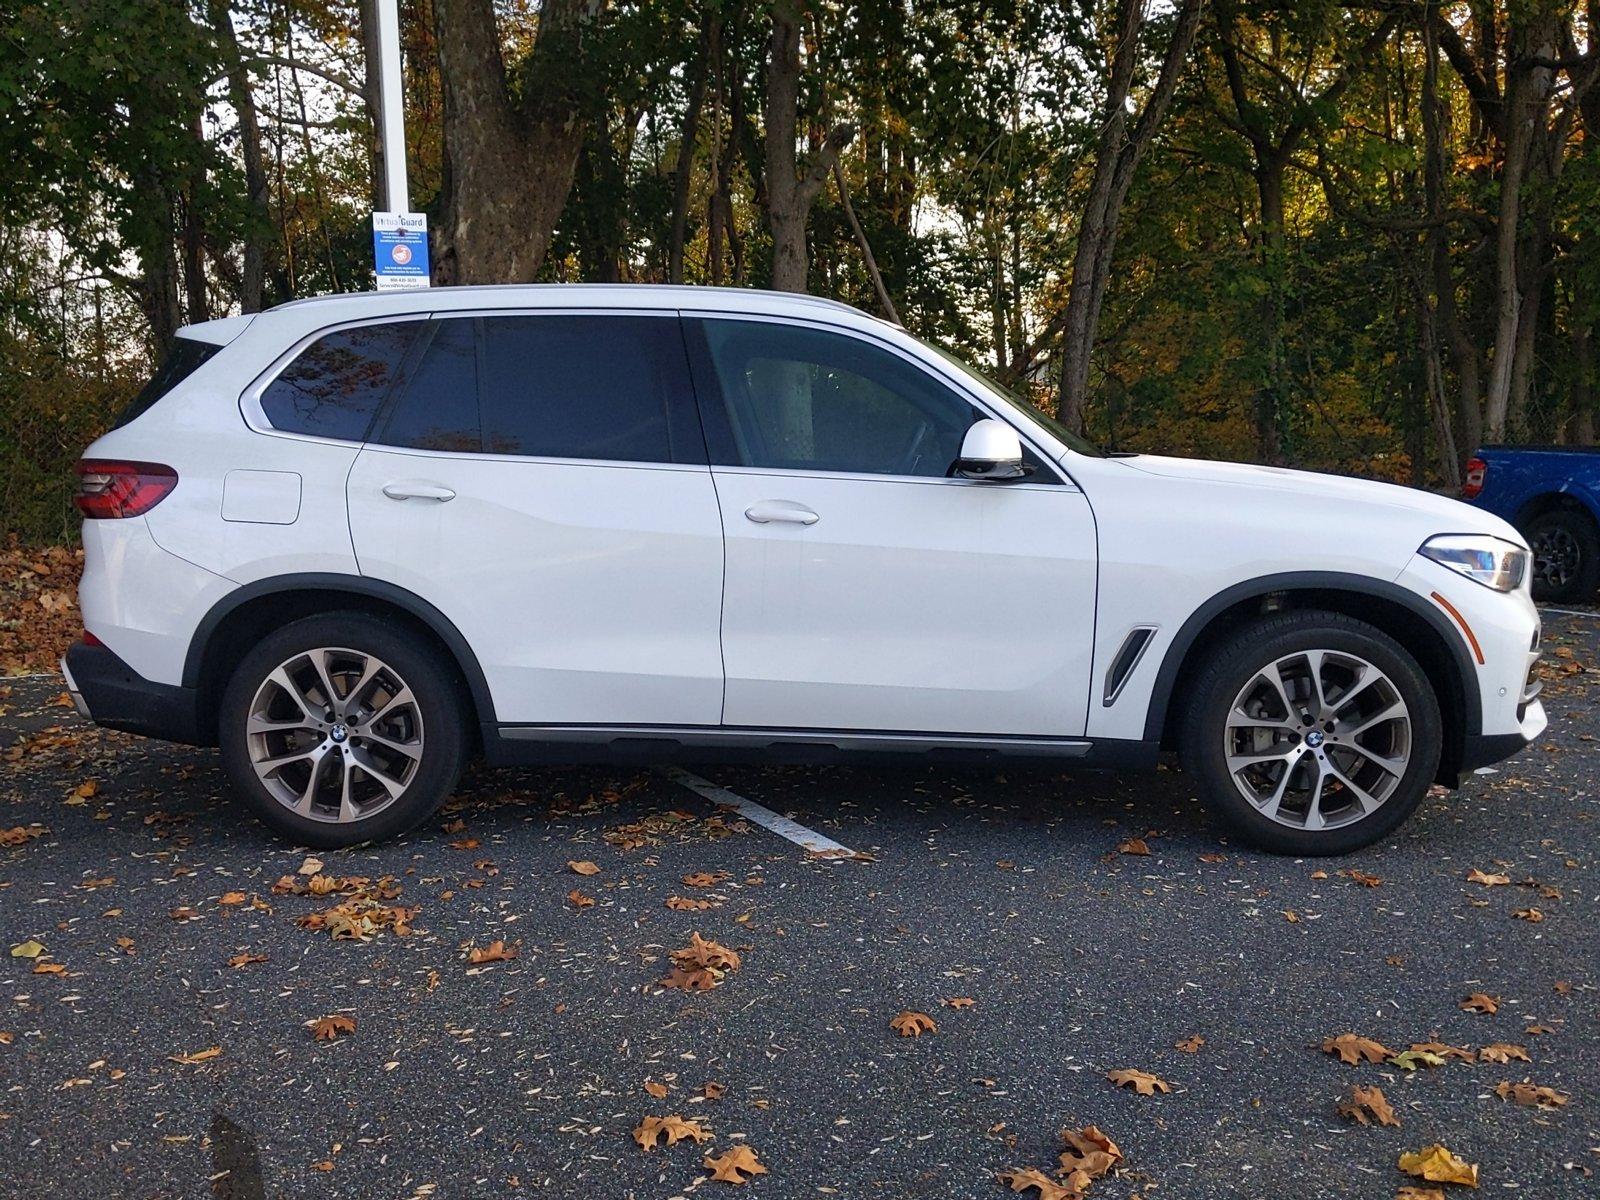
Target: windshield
{"type": "Point", "coordinates": [1076, 441]}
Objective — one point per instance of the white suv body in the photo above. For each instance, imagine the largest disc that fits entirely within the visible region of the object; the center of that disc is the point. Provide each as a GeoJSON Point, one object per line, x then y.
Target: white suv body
{"type": "Point", "coordinates": [670, 522]}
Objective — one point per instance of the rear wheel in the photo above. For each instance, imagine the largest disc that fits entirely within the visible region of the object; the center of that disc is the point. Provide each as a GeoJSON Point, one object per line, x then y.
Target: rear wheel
{"type": "Point", "coordinates": [1566, 555]}
{"type": "Point", "coordinates": [342, 728]}
{"type": "Point", "coordinates": [1312, 733]}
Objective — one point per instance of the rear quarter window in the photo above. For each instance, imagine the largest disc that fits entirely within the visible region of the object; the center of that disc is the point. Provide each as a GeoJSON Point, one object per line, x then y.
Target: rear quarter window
{"type": "Point", "coordinates": [183, 358]}
{"type": "Point", "coordinates": [335, 386]}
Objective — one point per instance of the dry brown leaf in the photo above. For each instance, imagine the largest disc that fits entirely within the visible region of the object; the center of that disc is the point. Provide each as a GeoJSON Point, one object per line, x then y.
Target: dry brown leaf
{"type": "Point", "coordinates": [1190, 1045]}
{"type": "Point", "coordinates": [714, 1090]}
{"type": "Point", "coordinates": [244, 960]}
{"type": "Point", "coordinates": [583, 868]}
{"type": "Point", "coordinates": [704, 878]}
{"type": "Point", "coordinates": [1048, 1189]}
{"type": "Point", "coordinates": [1487, 879]}
{"type": "Point", "coordinates": [19, 834]}
{"type": "Point", "coordinates": [1529, 1094]}
{"type": "Point", "coordinates": [694, 979]}
{"type": "Point", "coordinates": [232, 898]}
{"type": "Point", "coordinates": [49, 968]}
{"type": "Point", "coordinates": [1088, 1156]}
{"type": "Point", "coordinates": [325, 1029]}
{"type": "Point", "coordinates": [958, 1002]}
{"type": "Point", "coordinates": [1532, 915]}
{"type": "Point", "coordinates": [1134, 846]}
{"type": "Point", "coordinates": [199, 1056]}
{"type": "Point", "coordinates": [1480, 1003]}
{"type": "Point", "coordinates": [495, 951]}
{"type": "Point", "coordinates": [1419, 1193]}
{"type": "Point", "coordinates": [1437, 1165]}
{"type": "Point", "coordinates": [579, 900]}
{"type": "Point", "coordinates": [686, 904]}
{"type": "Point", "coordinates": [1445, 1050]}
{"type": "Point", "coordinates": [1361, 877]}
{"type": "Point", "coordinates": [727, 1167]}
{"type": "Point", "coordinates": [674, 1129]}
{"type": "Point", "coordinates": [1352, 1049]}
{"type": "Point", "coordinates": [1367, 1104]}
{"type": "Point", "coordinates": [912, 1024]}
{"type": "Point", "coordinates": [1140, 1081]}
{"type": "Point", "coordinates": [658, 1090]}
{"type": "Point", "coordinates": [1503, 1052]}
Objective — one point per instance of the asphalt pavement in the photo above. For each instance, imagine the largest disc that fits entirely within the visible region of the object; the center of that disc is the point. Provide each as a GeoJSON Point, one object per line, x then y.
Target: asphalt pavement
{"type": "Point", "coordinates": [166, 925]}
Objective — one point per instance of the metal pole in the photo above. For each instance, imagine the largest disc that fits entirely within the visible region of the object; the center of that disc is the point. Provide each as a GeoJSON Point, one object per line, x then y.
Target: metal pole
{"type": "Point", "coordinates": [391, 108]}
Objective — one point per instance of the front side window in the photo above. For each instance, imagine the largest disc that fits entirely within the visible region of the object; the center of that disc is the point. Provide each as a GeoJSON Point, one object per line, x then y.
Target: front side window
{"type": "Point", "coordinates": [807, 399]}
{"type": "Point", "coordinates": [336, 385]}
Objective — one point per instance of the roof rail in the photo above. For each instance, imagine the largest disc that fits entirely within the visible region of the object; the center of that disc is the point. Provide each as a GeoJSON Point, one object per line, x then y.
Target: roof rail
{"type": "Point", "coordinates": [686, 289]}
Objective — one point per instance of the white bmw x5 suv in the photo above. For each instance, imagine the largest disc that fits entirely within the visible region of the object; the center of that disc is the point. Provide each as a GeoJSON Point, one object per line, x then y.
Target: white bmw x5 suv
{"type": "Point", "coordinates": [354, 540]}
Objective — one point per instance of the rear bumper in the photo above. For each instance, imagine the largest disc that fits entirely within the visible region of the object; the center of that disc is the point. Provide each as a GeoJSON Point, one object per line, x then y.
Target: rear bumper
{"type": "Point", "coordinates": [111, 693]}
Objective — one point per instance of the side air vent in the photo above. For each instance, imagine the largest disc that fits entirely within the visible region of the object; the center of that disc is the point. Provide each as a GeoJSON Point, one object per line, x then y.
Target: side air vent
{"type": "Point", "coordinates": [1127, 658]}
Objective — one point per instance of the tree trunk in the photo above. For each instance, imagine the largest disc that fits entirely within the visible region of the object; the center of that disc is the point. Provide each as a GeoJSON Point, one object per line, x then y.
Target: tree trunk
{"type": "Point", "coordinates": [1117, 157]}
{"type": "Point", "coordinates": [258, 220]}
{"type": "Point", "coordinates": [194, 230]}
{"type": "Point", "coordinates": [687, 137]}
{"type": "Point", "coordinates": [1272, 391]}
{"type": "Point", "coordinates": [789, 194]}
{"type": "Point", "coordinates": [510, 169]}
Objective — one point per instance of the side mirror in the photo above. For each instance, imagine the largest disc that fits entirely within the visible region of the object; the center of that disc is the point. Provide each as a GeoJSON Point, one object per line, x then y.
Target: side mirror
{"type": "Point", "coordinates": [991, 451]}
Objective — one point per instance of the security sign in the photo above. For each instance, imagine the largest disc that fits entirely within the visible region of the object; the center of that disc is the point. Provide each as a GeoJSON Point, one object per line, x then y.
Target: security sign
{"type": "Point", "coordinates": [400, 250]}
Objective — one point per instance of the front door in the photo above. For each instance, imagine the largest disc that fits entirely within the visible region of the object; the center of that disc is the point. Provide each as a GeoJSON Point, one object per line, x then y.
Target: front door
{"type": "Point", "coordinates": [864, 589]}
{"type": "Point", "coordinates": [541, 480]}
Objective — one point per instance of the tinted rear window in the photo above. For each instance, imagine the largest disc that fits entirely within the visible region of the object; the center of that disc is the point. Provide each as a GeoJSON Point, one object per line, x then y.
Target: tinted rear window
{"type": "Point", "coordinates": [440, 408]}
{"type": "Point", "coordinates": [183, 358]}
{"type": "Point", "coordinates": [335, 386]}
{"type": "Point", "coordinates": [580, 387]}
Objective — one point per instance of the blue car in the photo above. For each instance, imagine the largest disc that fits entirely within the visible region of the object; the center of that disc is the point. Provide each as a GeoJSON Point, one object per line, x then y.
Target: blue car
{"type": "Point", "coordinates": [1552, 494]}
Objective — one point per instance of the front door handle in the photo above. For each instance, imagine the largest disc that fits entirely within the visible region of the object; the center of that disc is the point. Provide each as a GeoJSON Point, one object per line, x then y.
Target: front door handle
{"type": "Point", "coordinates": [767, 512]}
{"type": "Point", "coordinates": [413, 490]}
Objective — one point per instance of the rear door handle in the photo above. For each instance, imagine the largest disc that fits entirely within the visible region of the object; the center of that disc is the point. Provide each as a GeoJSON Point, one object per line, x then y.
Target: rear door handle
{"type": "Point", "coordinates": [413, 490]}
{"type": "Point", "coordinates": [767, 512]}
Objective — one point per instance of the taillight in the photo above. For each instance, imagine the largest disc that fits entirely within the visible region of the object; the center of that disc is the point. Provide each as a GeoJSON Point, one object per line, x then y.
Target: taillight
{"type": "Point", "coordinates": [1477, 471]}
{"type": "Point", "coordinates": [108, 489]}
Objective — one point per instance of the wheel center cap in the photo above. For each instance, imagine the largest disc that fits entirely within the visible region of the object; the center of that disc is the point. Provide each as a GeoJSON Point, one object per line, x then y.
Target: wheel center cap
{"type": "Point", "coordinates": [1315, 738]}
{"type": "Point", "coordinates": [338, 733]}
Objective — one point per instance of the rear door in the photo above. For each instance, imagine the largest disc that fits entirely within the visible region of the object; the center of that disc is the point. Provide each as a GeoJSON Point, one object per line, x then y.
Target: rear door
{"type": "Point", "coordinates": [866, 590]}
{"type": "Point", "coordinates": [540, 478]}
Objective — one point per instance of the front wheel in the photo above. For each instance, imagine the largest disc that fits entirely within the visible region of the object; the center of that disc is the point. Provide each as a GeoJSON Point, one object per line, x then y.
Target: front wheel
{"type": "Point", "coordinates": [1312, 733]}
{"type": "Point", "coordinates": [343, 728]}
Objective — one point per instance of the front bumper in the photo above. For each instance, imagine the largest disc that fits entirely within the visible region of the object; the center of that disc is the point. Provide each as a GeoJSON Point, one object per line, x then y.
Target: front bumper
{"type": "Point", "coordinates": [111, 693]}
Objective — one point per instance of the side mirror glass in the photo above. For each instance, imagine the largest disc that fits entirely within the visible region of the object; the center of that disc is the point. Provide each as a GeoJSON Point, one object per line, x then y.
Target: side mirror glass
{"type": "Point", "coordinates": [991, 451]}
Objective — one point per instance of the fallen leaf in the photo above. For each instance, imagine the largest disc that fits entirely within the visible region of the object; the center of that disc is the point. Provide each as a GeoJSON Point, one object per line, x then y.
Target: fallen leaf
{"type": "Point", "coordinates": [1488, 880]}
{"type": "Point", "coordinates": [244, 960]}
{"type": "Point", "coordinates": [1361, 877]}
{"type": "Point", "coordinates": [1140, 1081]}
{"type": "Point", "coordinates": [199, 1056]}
{"type": "Point", "coordinates": [1480, 1003]}
{"type": "Point", "coordinates": [1532, 915]}
{"type": "Point", "coordinates": [27, 949]}
{"type": "Point", "coordinates": [1419, 1193]}
{"type": "Point", "coordinates": [1529, 1094]}
{"type": "Point", "coordinates": [1444, 1050]}
{"type": "Point", "coordinates": [231, 898]}
{"type": "Point", "coordinates": [1088, 1156]}
{"type": "Point", "coordinates": [495, 951]}
{"type": "Point", "coordinates": [1410, 1060]}
{"type": "Point", "coordinates": [958, 1002]}
{"type": "Point", "coordinates": [49, 968]}
{"type": "Point", "coordinates": [714, 1090]}
{"type": "Point", "coordinates": [18, 834]}
{"type": "Point", "coordinates": [1438, 1165]}
{"type": "Point", "coordinates": [703, 879]}
{"type": "Point", "coordinates": [912, 1024]}
{"type": "Point", "coordinates": [1367, 1104]}
{"type": "Point", "coordinates": [1503, 1052]}
{"type": "Point", "coordinates": [652, 1129]}
{"type": "Point", "coordinates": [1134, 846]}
{"type": "Point", "coordinates": [1049, 1189]}
{"type": "Point", "coordinates": [579, 900]}
{"type": "Point", "coordinates": [583, 868]}
{"type": "Point", "coordinates": [700, 965]}
{"type": "Point", "coordinates": [326, 1029]}
{"type": "Point", "coordinates": [658, 1090]}
{"type": "Point", "coordinates": [688, 904]}
{"type": "Point", "coordinates": [311, 866]}
{"type": "Point", "coordinates": [1352, 1049]}
{"type": "Point", "coordinates": [727, 1167]}
{"type": "Point", "coordinates": [1190, 1045]}
{"type": "Point", "coordinates": [1213, 858]}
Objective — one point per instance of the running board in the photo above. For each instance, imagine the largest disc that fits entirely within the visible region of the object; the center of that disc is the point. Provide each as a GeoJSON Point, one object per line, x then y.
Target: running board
{"type": "Point", "coordinates": [780, 740]}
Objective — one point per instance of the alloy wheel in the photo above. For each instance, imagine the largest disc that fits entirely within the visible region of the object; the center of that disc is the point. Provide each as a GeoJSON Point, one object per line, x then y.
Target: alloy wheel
{"type": "Point", "coordinates": [1556, 556]}
{"type": "Point", "coordinates": [1318, 739]}
{"type": "Point", "coordinates": [335, 734]}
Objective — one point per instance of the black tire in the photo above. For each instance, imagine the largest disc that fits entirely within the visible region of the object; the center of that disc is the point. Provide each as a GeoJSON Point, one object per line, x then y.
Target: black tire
{"type": "Point", "coordinates": [1566, 555]}
{"type": "Point", "coordinates": [1238, 660]}
{"type": "Point", "coordinates": [440, 732]}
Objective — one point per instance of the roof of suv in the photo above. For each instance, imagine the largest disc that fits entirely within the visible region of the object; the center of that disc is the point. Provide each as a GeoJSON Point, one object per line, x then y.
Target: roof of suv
{"type": "Point", "coordinates": [603, 295]}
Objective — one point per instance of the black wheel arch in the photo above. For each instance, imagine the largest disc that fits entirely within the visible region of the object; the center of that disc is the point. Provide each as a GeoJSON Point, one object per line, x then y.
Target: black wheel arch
{"type": "Point", "coordinates": [1409, 618]}
{"type": "Point", "coordinates": [241, 617]}
{"type": "Point", "coordinates": [1549, 502]}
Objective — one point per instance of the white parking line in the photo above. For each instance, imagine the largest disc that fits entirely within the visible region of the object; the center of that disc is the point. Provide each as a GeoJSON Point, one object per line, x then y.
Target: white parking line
{"type": "Point", "coordinates": [1569, 612]}
{"type": "Point", "coordinates": [759, 814]}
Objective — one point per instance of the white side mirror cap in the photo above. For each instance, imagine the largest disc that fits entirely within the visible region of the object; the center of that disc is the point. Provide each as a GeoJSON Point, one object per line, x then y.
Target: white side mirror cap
{"type": "Point", "coordinates": [991, 450]}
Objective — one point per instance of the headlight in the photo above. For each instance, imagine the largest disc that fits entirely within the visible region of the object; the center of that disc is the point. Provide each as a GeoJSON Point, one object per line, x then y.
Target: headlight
{"type": "Point", "coordinates": [1481, 558]}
